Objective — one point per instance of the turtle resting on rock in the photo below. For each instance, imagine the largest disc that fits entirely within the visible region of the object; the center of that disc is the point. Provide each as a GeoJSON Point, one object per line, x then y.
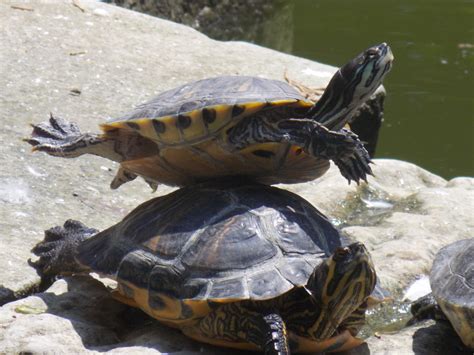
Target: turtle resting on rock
{"type": "Point", "coordinates": [452, 284]}
{"type": "Point", "coordinates": [250, 267]}
{"type": "Point", "coordinates": [232, 125]}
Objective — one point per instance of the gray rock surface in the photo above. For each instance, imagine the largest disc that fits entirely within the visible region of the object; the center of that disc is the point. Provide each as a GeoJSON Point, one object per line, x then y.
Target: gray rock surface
{"type": "Point", "coordinates": [427, 338]}
{"type": "Point", "coordinates": [268, 22]}
{"type": "Point", "coordinates": [87, 60]}
{"type": "Point", "coordinates": [78, 315]}
{"type": "Point", "coordinates": [404, 215]}
{"type": "Point", "coordinates": [84, 61]}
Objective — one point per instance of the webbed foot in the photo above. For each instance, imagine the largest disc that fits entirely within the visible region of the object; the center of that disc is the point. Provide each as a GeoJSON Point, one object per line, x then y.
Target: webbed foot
{"type": "Point", "coordinates": [56, 251]}
{"type": "Point", "coordinates": [345, 149]}
{"type": "Point", "coordinates": [61, 138]}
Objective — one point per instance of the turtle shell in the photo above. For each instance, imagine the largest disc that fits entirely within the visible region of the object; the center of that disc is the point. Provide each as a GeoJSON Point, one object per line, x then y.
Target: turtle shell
{"type": "Point", "coordinates": [192, 112]}
{"type": "Point", "coordinates": [176, 254]}
{"type": "Point", "coordinates": [189, 128]}
{"type": "Point", "coordinates": [452, 283]}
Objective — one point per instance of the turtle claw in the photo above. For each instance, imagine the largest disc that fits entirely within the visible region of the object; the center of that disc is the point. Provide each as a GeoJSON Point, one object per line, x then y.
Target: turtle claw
{"type": "Point", "coordinates": [345, 149]}
{"type": "Point", "coordinates": [55, 136]}
{"type": "Point", "coordinates": [355, 168]}
{"type": "Point", "coordinates": [56, 251]}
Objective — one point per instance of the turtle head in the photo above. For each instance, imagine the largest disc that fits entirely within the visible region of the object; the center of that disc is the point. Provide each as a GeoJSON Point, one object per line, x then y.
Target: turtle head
{"type": "Point", "coordinates": [339, 286]}
{"type": "Point", "coordinates": [351, 86]}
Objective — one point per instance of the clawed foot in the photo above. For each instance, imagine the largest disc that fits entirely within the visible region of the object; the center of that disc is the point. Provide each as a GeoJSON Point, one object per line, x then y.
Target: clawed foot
{"type": "Point", "coordinates": [56, 137]}
{"type": "Point", "coordinates": [345, 149]}
{"type": "Point", "coordinates": [56, 252]}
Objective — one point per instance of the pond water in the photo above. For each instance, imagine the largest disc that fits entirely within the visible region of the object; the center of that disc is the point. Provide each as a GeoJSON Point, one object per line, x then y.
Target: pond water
{"type": "Point", "coordinates": [429, 110]}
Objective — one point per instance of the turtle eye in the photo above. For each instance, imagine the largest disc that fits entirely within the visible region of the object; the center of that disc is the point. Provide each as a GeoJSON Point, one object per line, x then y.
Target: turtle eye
{"type": "Point", "coordinates": [372, 52]}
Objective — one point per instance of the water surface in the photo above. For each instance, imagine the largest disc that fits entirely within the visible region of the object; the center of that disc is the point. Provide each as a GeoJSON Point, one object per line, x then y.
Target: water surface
{"type": "Point", "coordinates": [429, 109]}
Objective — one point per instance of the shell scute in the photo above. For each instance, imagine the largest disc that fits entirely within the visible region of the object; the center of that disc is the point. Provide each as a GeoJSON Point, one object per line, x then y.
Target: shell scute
{"type": "Point", "coordinates": [265, 285]}
{"type": "Point", "coordinates": [219, 246]}
{"type": "Point", "coordinates": [231, 97]}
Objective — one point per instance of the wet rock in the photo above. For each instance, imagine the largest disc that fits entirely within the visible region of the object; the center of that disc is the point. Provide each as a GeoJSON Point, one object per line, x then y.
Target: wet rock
{"type": "Point", "coordinates": [427, 338]}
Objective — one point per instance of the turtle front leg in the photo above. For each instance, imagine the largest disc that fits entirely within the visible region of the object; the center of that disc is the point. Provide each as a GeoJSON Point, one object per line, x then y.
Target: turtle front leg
{"type": "Point", "coordinates": [61, 138]}
{"type": "Point", "coordinates": [234, 325]}
{"type": "Point", "coordinates": [343, 147]}
{"type": "Point", "coordinates": [57, 250]}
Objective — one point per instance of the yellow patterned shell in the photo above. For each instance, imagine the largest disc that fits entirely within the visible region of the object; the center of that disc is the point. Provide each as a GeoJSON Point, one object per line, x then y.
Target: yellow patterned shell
{"type": "Point", "coordinates": [186, 128]}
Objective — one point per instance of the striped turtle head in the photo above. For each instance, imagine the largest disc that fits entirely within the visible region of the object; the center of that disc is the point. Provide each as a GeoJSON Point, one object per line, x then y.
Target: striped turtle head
{"type": "Point", "coordinates": [351, 86]}
{"type": "Point", "coordinates": [339, 286]}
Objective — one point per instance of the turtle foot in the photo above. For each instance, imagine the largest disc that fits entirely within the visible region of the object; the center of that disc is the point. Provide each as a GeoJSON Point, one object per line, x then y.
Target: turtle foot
{"type": "Point", "coordinates": [426, 307]}
{"type": "Point", "coordinates": [56, 251]}
{"type": "Point", "coordinates": [345, 149]}
{"type": "Point", "coordinates": [56, 137]}
{"type": "Point", "coordinates": [355, 167]}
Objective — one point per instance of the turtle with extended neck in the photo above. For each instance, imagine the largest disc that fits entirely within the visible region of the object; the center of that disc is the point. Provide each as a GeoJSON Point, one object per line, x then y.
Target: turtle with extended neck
{"type": "Point", "coordinates": [232, 125]}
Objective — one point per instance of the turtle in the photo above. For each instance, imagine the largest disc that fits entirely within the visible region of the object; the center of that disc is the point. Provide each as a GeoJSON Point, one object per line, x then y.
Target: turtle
{"type": "Point", "coordinates": [232, 125]}
{"type": "Point", "coordinates": [452, 285]}
{"type": "Point", "coordinates": [246, 266]}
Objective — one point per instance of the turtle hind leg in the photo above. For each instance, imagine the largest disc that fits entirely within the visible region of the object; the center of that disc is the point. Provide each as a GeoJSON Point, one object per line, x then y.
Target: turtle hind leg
{"type": "Point", "coordinates": [61, 138]}
{"type": "Point", "coordinates": [237, 326]}
{"type": "Point", "coordinates": [57, 250]}
{"type": "Point", "coordinates": [426, 307]}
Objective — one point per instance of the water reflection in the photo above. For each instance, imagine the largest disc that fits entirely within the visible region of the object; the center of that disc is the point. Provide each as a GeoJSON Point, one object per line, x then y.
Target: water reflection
{"type": "Point", "coordinates": [429, 110]}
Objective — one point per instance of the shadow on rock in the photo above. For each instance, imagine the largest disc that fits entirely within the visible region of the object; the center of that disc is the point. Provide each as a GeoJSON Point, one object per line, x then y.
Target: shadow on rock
{"type": "Point", "coordinates": [438, 339]}
{"type": "Point", "coordinates": [104, 324]}
{"type": "Point", "coordinates": [362, 349]}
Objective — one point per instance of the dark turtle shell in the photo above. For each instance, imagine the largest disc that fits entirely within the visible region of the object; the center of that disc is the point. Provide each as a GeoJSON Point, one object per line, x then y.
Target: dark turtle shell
{"type": "Point", "coordinates": [213, 242]}
{"type": "Point", "coordinates": [452, 283]}
{"type": "Point", "coordinates": [192, 112]}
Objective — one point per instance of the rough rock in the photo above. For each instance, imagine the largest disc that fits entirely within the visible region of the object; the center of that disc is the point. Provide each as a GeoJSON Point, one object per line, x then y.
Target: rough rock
{"type": "Point", "coordinates": [427, 338]}
{"type": "Point", "coordinates": [268, 22]}
{"type": "Point", "coordinates": [78, 315]}
{"type": "Point", "coordinates": [404, 215]}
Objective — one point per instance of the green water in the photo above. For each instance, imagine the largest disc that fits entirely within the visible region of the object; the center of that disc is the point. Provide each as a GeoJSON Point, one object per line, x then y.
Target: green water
{"type": "Point", "coordinates": [429, 111]}
{"type": "Point", "coordinates": [429, 117]}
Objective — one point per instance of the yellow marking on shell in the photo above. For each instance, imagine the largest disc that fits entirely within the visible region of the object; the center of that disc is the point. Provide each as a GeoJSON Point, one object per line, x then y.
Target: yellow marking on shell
{"type": "Point", "coordinates": [172, 312]}
{"type": "Point", "coordinates": [223, 117]}
{"type": "Point", "coordinates": [197, 128]}
{"type": "Point", "coordinates": [200, 308]}
{"type": "Point", "coordinates": [171, 134]}
{"type": "Point", "coordinates": [292, 103]}
{"type": "Point", "coordinates": [119, 295]}
{"type": "Point", "coordinates": [140, 295]}
{"type": "Point", "coordinates": [172, 309]}
{"type": "Point", "coordinates": [147, 129]}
